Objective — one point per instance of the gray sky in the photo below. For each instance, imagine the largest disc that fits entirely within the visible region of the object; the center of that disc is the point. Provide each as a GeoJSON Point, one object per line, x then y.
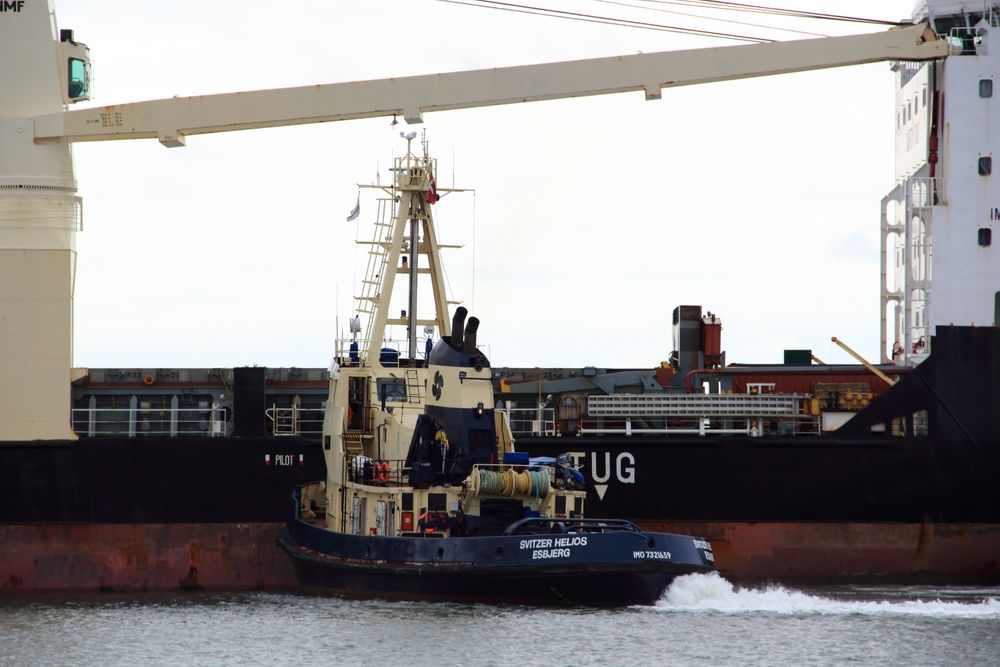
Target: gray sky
{"type": "Point", "coordinates": [592, 218]}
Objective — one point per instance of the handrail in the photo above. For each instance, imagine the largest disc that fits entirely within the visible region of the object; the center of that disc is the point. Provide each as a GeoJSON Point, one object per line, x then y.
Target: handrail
{"type": "Point", "coordinates": [535, 422]}
{"type": "Point", "coordinates": [140, 422]}
{"type": "Point", "coordinates": [795, 425]}
{"type": "Point", "coordinates": [363, 470]}
{"type": "Point", "coordinates": [288, 421]}
{"type": "Point", "coordinates": [588, 525]}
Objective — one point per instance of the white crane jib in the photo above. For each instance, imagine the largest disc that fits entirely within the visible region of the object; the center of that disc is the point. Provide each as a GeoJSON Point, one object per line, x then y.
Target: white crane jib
{"type": "Point", "coordinates": [40, 213]}
{"type": "Point", "coordinates": [171, 120]}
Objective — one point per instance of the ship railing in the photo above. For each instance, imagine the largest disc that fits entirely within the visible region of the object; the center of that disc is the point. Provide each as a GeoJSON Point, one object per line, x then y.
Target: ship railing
{"type": "Point", "coordinates": [378, 472]}
{"type": "Point", "coordinates": [135, 422]}
{"type": "Point", "coordinates": [925, 191]}
{"type": "Point", "coordinates": [295, 421]}
{"type": "Point", "coordinates": [391, 353]}
{"type": "Point", "coordinates": [536, 524]}
{"type": "Point", "coordinates": [353, 354]}
{"type": "Point", "coordinates": [791, 425]}
{"type": "Point", "coordinates": [531, 421]}
{"type": "Point", "coordinates": [685, 406]}
{"type": "Point", "coordinates": [966, 41]}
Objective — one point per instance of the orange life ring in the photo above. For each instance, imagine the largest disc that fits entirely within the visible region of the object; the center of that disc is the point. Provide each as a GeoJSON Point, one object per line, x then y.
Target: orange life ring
{"type": "Point", "coordinates": [148, 378]}
{"type": "Point", "coordinates": [381, 470]}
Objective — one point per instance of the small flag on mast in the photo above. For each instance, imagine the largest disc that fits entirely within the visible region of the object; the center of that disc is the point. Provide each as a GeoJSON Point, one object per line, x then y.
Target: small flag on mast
{"type": "Point", "coordinates": [432, 189]}
{"type": "Point", "coordinates": [356, 211]}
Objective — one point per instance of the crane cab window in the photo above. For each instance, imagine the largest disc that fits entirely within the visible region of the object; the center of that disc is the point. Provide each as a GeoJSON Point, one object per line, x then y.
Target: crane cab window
{"type": "Point", "coordinates": [77, 79]}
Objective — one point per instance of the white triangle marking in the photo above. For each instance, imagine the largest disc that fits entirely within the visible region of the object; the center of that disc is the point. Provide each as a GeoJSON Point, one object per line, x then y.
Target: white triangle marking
{"type": "Point", "coordinates": [601, 490]}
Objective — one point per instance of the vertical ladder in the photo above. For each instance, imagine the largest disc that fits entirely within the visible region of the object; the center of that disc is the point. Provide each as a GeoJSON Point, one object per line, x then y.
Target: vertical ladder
{"type": "Point", "coordinates": [376, 269]}
{"type": "Point", "coordinates": [414, 386]}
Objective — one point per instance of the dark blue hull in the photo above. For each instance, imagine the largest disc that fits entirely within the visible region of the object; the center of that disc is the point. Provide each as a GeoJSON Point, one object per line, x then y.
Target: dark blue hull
{"type": "Point", "coordinates": [587, 565]}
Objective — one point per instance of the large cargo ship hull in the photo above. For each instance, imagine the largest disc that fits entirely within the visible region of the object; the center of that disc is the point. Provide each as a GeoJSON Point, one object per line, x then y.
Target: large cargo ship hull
{"type": "Point", "coordinates": [149, 514]}
{"type": "Point", "coordinates": [142, 557]}
{"type": "Point", "coordinates": [862, 504]}
{"type": "Point", "coordinates": [938, 553]}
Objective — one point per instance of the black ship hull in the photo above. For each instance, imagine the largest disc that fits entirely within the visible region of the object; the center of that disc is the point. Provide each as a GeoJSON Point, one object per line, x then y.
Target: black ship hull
{"type": "Point", "coordinates": [572, 585]}
{"type": "Point", "coordinates": [586, 562]}
{"type": "Point", "coordinates": [153, 513]}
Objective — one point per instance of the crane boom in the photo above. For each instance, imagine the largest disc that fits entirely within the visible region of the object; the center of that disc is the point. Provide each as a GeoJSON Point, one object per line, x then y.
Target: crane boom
{"type": "Point", "coordinates": [170, 120]}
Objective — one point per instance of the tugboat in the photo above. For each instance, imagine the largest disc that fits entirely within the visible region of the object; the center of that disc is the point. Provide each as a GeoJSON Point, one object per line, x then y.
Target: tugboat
{"type": "Point", "coordinates": [425, 496]}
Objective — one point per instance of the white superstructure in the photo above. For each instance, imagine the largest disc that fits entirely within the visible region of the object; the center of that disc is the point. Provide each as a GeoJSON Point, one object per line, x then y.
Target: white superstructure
{"type": "Point", "coordinates": [940, 264]}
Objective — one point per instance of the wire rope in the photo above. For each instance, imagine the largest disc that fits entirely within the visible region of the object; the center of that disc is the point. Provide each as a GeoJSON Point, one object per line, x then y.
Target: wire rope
{"type": "Point", "coordinates": [775, 11]}
{"type": "Point", "coordinates": [711, 18]}
{"type": "Point", "coordinates": [607, 20]}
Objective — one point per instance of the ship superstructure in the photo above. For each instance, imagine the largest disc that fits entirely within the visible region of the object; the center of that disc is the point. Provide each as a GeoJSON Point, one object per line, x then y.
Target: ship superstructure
{"type": "Point", "coordinates": [381, 383]}
{"type": "Point", "coordinates": [939, 261]}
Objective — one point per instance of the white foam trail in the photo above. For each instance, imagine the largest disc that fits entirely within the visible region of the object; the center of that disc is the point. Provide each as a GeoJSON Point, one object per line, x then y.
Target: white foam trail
{"type": "Point", "coordinates": [710, 592]}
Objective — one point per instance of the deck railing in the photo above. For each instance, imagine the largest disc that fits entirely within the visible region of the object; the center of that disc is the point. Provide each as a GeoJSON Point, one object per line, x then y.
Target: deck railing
{"type": "Point", "coordinates": [377, 472]}
{"type": "Point", "coordinates": [295, 421]}
{"type": "Point", "coordinates": [531, 421]}
{"type": "Point", "coordinates": [136, 422]}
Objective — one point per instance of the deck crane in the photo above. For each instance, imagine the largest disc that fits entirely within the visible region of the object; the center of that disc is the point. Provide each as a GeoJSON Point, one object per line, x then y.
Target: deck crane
{"type": "Point", "coordinates": [40, 212]}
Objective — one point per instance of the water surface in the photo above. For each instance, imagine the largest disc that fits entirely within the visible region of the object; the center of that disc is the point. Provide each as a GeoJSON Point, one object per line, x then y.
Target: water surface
{"type": "Point", "coordinates": [701, 620]}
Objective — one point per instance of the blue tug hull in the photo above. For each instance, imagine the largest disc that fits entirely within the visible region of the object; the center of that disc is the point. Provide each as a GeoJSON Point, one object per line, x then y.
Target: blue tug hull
{"type": "Point", "coordinates": [588, 564]}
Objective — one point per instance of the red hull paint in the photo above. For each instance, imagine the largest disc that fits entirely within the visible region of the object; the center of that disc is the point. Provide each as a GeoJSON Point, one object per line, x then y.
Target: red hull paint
{"type": "Point", "coordinates": [170, 557]}
{"type": "Point", "coordinates": [142, 557]}
{"type": "Point", "coordinates": [938, 553]}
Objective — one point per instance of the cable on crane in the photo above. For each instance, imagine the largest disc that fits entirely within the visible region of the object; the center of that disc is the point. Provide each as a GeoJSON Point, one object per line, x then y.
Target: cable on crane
{"type": "Point", "coordinates": [608, 20]}
{"type": "Point", "coordinates": [716, 5]}
{"type": "Point", "coordinates": [775, 11]}
{"type": "Point", "coordinates": [710, 18]}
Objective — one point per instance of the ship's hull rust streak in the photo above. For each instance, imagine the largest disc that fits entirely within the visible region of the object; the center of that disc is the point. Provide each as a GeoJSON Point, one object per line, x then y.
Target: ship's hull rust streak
{"type": "Point", "coordinates": [142, 557]}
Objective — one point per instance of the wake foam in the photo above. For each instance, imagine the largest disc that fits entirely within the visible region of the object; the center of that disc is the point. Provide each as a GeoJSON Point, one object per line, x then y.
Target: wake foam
{"type": "Point", "coordinates": [711, 592]}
